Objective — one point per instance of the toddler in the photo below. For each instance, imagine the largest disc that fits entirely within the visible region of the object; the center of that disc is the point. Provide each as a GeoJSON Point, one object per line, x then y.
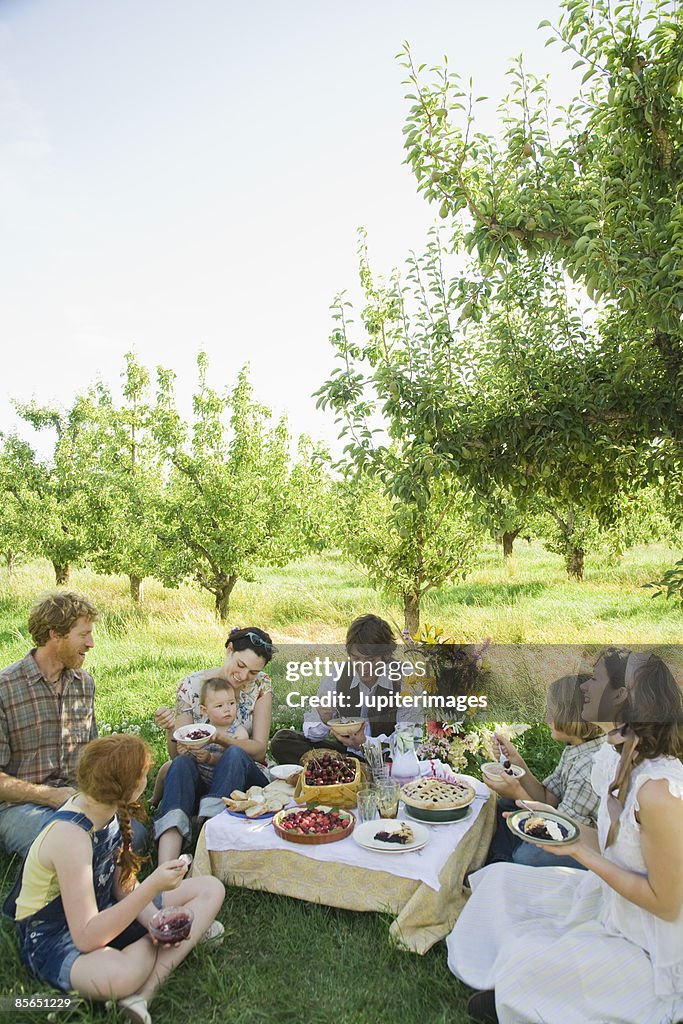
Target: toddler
{"type": "Point", "coordinates": [218, 704]}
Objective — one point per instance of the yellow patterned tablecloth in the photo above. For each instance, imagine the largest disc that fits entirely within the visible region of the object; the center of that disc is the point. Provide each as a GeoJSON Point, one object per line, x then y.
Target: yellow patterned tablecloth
{"type": "Point", "coordinates": [423, 915]}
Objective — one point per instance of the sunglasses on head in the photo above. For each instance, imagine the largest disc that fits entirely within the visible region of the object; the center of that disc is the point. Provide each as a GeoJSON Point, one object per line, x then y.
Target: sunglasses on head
{"type": "Point", "coordinates": [254, 639]}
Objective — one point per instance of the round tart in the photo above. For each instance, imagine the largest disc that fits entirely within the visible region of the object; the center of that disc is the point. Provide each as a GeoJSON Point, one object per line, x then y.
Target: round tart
{"type": "Point", "coordinates": [438, 800]}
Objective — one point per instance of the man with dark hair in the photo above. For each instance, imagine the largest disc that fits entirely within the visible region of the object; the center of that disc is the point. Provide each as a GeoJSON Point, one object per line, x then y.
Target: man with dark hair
{"type": "Point", "coordinates": [47, 716]}
{"type": "Point", "coordinates": [372, 671]}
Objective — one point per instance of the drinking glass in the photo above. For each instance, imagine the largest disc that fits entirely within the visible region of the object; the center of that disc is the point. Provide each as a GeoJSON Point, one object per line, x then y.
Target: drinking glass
{"type": "Point", "coordinates": [366, 808]}
{"type": "Point", "coordinates": [387, 798]}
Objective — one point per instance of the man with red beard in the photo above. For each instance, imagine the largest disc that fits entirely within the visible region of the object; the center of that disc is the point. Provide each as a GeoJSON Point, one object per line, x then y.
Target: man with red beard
{"type": "Point", "coordinates": [47, 716]}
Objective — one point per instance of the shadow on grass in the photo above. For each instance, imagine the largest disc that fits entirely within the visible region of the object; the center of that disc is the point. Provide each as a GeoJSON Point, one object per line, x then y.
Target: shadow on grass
{"type": "Point", "coordinates": [491, 594]}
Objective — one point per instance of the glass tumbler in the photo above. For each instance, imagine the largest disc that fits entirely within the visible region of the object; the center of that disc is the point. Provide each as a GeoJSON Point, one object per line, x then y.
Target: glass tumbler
{"type": "Point", "coordinates": [388, 793]}
{"type": "Point", "coordinates": [366, 808]}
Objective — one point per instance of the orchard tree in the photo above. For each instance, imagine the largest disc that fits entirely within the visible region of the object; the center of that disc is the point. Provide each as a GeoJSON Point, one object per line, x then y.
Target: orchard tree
{"type": "Point", "coordinates": [232, 503]}
{"type": "Point", "coordinates": [492, 379]}
{"type": "Point", "coordinates": [126, 488]}
{"type": "Point", "coordinates": [405, 550]}
{"type": "Point", "coordinates": [595, 187]}
{"type": "Point", "coordinates": [50, 495]}
{"type": "Point", "coordinates": [409, 526]}
{"type": "Point", "coordinates": [311, 495]}
{"type": "Point", "coordinates": [16, 539]}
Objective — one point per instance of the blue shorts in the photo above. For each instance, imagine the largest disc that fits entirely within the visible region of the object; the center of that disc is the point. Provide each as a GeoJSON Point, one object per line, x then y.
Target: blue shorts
{"type": "Point", "coordinates": [49, 952]}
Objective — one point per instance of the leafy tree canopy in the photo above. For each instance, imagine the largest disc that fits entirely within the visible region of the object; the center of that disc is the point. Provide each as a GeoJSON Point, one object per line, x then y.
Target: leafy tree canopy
{"type": "Point", "coordinates": [595, 187]}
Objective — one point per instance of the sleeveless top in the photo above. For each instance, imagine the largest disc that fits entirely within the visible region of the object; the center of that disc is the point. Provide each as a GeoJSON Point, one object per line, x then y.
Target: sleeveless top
{"type": "Point", "coordinates": [662, 940]}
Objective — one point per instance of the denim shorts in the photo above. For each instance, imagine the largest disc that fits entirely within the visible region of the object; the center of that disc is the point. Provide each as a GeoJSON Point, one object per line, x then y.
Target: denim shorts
{"type": "Point", "coordinates": [49, 952]}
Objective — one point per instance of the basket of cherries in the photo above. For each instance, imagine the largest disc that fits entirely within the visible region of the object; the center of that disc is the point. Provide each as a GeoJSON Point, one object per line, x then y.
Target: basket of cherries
{"type": "Point", "coordinates": [329, 777]}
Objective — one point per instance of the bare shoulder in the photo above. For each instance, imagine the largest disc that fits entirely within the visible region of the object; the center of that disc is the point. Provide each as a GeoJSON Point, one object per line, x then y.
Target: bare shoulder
{"type": "Point", "coordinates": [655, 796]}
{"type": "Point", "coordinates": [65, 841]}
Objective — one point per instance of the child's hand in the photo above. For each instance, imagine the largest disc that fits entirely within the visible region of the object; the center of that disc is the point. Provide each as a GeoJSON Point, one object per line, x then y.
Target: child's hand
{"type": "Point", "coordinates": [504, 746]}
{"type": "Point", "coordinates": [506, 786]}
{"type": "Point", "coordinates": [201, 755]}
{"type": "Point", "coordinates": [164, 717]}
{"type": "Point", "coordinates": [170, 874]}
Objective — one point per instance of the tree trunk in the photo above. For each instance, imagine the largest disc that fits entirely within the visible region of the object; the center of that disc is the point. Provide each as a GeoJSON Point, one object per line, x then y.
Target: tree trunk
{"type": "Point", "coordinates": [136, 588]}
{"type": "Point", "coordinates": [10, 559]}
{"type": "Point", "coordinates": [509, 538]}
{"type": "Point", "coordinates": [222, 594]}
{"type": "Point", "coordinates": [574, 562]}
{"type": "Point", "coordinates": [62, 573]}
{"type": "Point", "coordinates": [411, 612]}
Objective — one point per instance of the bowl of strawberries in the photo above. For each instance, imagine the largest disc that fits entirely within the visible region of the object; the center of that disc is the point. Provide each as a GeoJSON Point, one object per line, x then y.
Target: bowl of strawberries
{"type": "Point", "coordinates": [317, 823]}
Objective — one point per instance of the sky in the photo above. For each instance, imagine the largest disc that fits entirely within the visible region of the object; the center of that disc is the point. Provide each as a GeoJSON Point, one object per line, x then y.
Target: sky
{"type": "Point", "coordinates": [177, 177]}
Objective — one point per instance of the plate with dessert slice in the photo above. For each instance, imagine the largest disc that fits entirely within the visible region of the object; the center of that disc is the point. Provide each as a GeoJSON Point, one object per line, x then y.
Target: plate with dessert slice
{"type": "Point", "coordinates": [391, 835]}
{"type": "Point", "coordinates": [546, 827]}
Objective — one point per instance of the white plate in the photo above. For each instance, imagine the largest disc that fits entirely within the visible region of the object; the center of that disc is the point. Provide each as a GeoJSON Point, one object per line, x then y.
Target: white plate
{"type": "Point", "coordinates": [180, 734]}
{"type": "Point", "coordinates": [283, 771]}
{"type": "Point", "coordinates": [406, 811]}
{"type": "Point", "coordinates": [516, 820]}
{"type": "Point", "coordinates": [364, 835]}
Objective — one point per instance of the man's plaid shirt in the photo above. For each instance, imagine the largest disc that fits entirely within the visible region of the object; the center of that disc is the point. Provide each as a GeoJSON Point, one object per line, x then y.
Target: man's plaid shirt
{"type": "Point", "coordinates": [41, 733]}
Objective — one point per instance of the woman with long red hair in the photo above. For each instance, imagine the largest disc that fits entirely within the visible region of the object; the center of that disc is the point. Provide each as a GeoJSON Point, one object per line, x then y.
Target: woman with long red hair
{"type": "Point", "coordinates": [81, 914]}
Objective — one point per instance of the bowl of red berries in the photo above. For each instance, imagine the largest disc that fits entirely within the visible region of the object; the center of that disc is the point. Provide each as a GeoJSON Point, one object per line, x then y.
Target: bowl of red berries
{"type": "Point", "coordinates": [171, 924]}
{"type": "Point", "coordinates": [498, 770]}
{"type": "Point", "coordinates": [195, 735]}
{"type": "Point", "coordinates": [317, 823]}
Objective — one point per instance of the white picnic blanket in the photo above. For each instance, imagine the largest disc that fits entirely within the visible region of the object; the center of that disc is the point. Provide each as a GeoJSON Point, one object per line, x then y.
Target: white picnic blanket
{"type": "Point", "coordinates": [227, 832]}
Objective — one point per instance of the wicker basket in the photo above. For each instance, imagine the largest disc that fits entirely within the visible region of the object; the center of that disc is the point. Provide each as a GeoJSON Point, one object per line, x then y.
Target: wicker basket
{"type": "Point", "coordinates": [341, 794]}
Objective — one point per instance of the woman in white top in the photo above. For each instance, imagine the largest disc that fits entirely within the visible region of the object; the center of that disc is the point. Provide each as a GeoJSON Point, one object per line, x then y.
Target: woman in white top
{"type": "Point", "coordinates": [561, 946]}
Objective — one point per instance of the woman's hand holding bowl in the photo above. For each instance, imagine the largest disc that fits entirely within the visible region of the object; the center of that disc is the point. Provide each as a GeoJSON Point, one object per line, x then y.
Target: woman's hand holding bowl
{"type": "Point", "coordinates": [164, 718]}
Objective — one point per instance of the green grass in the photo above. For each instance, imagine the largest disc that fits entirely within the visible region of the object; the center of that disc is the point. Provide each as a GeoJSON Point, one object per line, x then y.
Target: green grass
{"type": "Point", "coordinates": [285, 962]}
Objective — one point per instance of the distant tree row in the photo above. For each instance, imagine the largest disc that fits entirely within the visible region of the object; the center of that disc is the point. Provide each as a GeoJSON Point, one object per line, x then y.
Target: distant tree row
{"type": "Point", "coordinates": [130, 487]}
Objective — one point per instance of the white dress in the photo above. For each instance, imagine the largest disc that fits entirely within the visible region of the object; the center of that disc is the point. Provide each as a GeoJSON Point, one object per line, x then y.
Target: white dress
{"type": "Point", "coordinates": [559, 946]}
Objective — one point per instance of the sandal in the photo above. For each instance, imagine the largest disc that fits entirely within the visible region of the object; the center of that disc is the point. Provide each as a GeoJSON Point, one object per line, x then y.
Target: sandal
{"type": "Point", "coordinates": [134, 1009]}
{"type": "Point", "coordinates": [213, 934]}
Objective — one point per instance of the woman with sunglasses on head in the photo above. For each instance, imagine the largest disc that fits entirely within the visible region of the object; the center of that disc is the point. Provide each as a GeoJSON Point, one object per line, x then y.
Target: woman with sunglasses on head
{"type": "Point", "coordinates": [248, 651]}
{"type": "Point", "coordinates": [558, 945]}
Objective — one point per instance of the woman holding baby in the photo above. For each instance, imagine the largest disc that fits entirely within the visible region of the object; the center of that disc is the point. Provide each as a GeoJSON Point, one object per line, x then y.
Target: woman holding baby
{"type": "Point", "coordinates": [187, 786]}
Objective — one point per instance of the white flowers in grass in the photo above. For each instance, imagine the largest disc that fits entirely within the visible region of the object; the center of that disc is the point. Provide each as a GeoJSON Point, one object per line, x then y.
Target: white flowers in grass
{"type": "Point", "coordinates": [106, 728]}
